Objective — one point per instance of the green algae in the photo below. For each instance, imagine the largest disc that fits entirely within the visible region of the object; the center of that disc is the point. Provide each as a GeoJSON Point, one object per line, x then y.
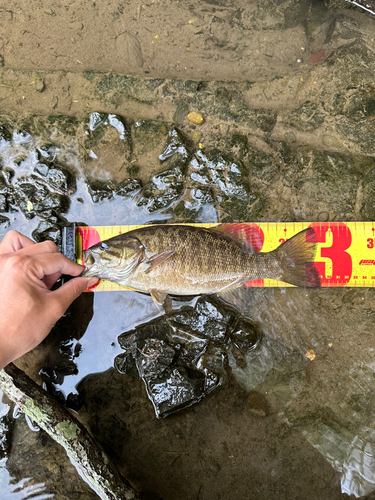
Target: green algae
{"type": "Point", "coordinates": [67, 429]}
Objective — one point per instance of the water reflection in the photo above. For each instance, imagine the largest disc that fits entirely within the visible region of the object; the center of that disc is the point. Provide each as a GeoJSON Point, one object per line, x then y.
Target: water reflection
{"type": "Point", "coordinates": [21, 490]}
{"type": "Point", "coordinates": [66, 365]}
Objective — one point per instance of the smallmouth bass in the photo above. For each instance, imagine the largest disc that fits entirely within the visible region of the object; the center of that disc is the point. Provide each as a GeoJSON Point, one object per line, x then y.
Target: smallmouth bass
{"type": "Point", "coordinates": [167, 259]}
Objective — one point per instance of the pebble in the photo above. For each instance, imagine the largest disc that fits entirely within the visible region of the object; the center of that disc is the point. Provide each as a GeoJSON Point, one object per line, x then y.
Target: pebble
{"type": "Point", "coordinates": [39, 85]}
{"type": "Point", "coordinates": [195, 117]}
{"type": "Point", "coordinates": [323, 217]}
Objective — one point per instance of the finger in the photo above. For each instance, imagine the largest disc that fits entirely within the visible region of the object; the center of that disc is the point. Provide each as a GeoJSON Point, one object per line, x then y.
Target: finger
{"type": "Point", "coordinates": [49, 281]}
{"type": "Point", "coordinates": [14, 241]}
{"type": "Point", "coordinates": [65, 295]}
{"type": "Point", "coordinates": [51, 263]}
{"type": "Point", "coordinates": [38, 248]}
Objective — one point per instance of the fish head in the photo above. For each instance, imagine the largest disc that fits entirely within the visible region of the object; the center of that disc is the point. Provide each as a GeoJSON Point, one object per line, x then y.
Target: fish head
{"type": "Point", "coordinates": [113, 259]}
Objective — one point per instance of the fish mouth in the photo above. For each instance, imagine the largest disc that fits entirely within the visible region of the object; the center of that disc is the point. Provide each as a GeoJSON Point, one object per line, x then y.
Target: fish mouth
{"type": "Point", "coordinates": [88, 260]}
{"type": "Point", "coordinates": [87, 273]}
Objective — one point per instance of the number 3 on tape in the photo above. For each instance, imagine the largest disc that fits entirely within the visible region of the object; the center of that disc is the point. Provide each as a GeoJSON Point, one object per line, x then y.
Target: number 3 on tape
{"type": "Point", "coordinates": [341, 261]}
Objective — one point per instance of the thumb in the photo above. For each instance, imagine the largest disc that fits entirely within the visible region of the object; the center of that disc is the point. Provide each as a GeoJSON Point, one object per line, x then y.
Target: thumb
{"type": "Point", "coordinates": [65, 295]}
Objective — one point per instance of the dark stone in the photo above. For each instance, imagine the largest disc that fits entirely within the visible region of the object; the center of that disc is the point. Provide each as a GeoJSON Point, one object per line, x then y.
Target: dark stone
{"type": "Point", "coordinates": [128, 187]}
{"type": "Point", "coordinates": [47, 231]}
{"type": "Point", "coordinates": [6, 427]}
{"type": "Point", "coordinates": [3, 203]}
{"type": "Point", "coordinates": [175, 147]}
{"type": "Point", "coordinates": [183, 356]}
{"type": "Point", "coordinates": [246, 334]}
{"type": "Point", "coordinates": [100, 192]}
{"type": "Point", "coordinates": [164, 189]}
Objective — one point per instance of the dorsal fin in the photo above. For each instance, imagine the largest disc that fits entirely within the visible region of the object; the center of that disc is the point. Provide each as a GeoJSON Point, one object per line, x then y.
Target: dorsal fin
{"type": "Point", "coordinates": [249, 236]}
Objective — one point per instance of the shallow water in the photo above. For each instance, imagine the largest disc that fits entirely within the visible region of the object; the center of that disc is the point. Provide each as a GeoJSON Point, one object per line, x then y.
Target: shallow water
{"type": "Point", "coordinates": [275, 374]}
{"type": "Point", "coordinates": [280, 425]}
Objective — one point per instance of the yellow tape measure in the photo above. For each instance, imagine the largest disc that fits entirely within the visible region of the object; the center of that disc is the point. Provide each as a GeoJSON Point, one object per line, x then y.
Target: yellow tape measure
{"type": "Point", "coordinates": [345, 250]}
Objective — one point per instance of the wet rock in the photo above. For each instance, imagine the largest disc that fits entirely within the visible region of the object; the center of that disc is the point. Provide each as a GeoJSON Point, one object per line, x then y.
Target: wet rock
{"type": "Point", "coordinates": [47, 230]}
{"type": "Point", "coordinates": [46, 152]}
{"type": "Point", "coordinates": [245, 335]}
{"type": "Point", "coordinates": [174, 390]}
{"type": "Point", "coordinates": [129, 187]}
{"type": "Point", "coordinates": [198, 205]}
{"type": "Point", "coordinates": [153, 357]}
{"type": "Point", "coordinates": [6, 425]}
{"type": "Point", "coordinates": [124, 363]}
{"type": "Point", "coordinates": [228, 179]}
{"type": "Point", "coordinates": [163, 190]}
{"type": "Point", "coordinates": [175, 148]}
{"type": "Point", "coordinates": [8, 175]}
{"type": "Point", "coordinates": [183, 356]}
{"type": "Point", "coordinates": [34, 198]}
{"type": "Point", "coordinates": [3, 203]}
{"type": "Point", "coordinates": [55, 178]}
{"type": "Point", "coordinates": [100, 192]}
{"type": "Point", "coordinates": [209, 318]}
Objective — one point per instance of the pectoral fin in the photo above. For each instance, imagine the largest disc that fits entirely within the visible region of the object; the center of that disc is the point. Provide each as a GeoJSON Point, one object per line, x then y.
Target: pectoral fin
{"type": "Point", "coordinates": [157, 259]}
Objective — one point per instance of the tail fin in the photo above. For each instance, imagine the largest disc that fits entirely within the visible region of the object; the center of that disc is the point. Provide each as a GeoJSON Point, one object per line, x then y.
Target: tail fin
{"type": "Point", "coordinates": [296, 257]}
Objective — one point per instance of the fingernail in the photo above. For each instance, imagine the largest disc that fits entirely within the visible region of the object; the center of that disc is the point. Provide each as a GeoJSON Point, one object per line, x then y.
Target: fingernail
{"type": "Point", "coordinates": [92, 282]}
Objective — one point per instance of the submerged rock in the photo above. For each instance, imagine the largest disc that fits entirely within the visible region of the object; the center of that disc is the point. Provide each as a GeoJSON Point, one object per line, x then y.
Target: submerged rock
{"type": "Point", "coordinates": [183, 357]}
{"type": "Point", "coordinates": [306, 118]}
{"type": "Point", "coordinates": [106, 138]}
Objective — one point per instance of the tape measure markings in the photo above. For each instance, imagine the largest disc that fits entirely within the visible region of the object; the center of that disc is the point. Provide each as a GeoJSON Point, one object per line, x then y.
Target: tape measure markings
{"type": "Point", "coordinates": [345, 251]}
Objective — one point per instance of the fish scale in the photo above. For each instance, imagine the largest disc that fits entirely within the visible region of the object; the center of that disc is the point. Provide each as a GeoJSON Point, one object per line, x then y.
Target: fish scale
{"type": "Point", "coordinates": [224, 264]}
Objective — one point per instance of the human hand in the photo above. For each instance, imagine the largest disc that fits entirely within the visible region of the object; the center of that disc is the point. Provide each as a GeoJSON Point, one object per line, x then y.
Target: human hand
{"type": "Point", "coordinates": [28, 308]}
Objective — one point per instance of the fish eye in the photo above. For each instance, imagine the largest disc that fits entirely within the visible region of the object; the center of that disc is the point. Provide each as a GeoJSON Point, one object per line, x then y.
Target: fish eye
{"type": "Point", "coordinates": [103, 246]}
